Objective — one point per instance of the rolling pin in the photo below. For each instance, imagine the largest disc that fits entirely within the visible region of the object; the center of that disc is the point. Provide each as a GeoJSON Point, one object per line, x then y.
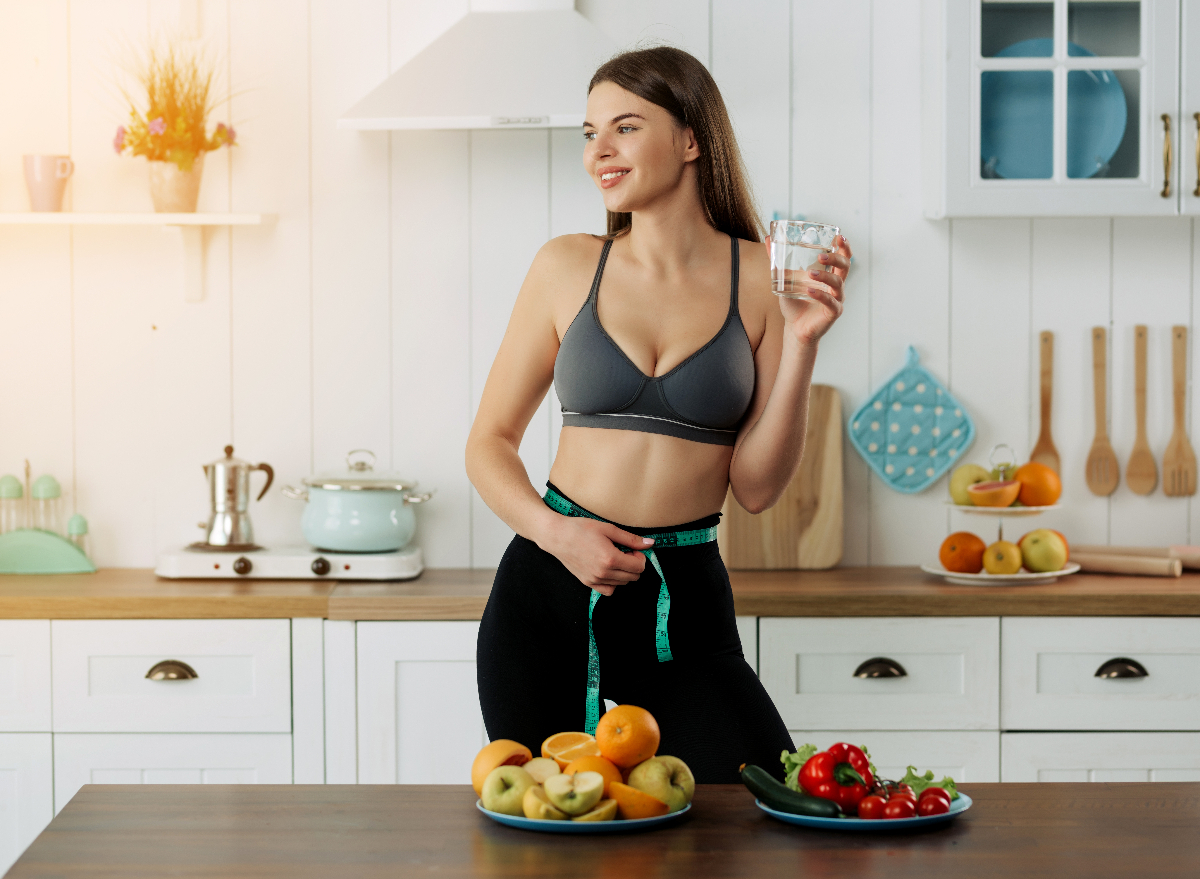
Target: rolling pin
{"type": "Point", "coordinates": [1189, 555]}
{"type": "Point", "coordinates": [1141, 565]}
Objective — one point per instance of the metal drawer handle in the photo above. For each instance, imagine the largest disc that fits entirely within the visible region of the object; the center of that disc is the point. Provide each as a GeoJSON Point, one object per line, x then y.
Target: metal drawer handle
{"type": "Point", "coordinates": [880, 667]}
{"type": "Point", "coordinates": [1166, 190]}
{"type": "Point", "coordinates": [1122, 667]}
{"type": "Point", "coordinates": [171, 670]}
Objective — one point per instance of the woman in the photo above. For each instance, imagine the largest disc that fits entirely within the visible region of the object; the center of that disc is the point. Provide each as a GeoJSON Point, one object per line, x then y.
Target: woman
{"type": "Point", "coordinates": [681, 376]}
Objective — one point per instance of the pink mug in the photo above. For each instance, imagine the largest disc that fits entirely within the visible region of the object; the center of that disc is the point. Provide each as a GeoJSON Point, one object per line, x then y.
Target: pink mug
{"type": "Point", "coordinates": [46, 177]}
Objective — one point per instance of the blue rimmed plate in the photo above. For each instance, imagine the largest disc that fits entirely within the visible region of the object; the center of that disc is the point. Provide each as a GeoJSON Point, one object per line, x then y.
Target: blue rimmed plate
{"type": "Point", "coordinates": [620, 826]}
{"type": "Point", "coordinates": [960, 805]}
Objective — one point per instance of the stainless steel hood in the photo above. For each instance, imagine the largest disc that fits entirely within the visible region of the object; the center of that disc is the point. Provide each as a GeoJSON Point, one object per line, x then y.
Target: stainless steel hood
{"type": "Point", "coordinates": [506, 64]}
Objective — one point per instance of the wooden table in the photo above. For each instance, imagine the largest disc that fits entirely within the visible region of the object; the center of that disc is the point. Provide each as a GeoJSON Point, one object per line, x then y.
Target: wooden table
{"type": "Point", "coordinates": [1025, 830]}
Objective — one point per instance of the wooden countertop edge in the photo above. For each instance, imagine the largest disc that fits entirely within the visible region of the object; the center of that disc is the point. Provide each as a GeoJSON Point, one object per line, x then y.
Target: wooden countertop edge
{"type": "Point", "coordinates": [160, 607]}
{"type": "Point", "coordinates": [407, 607]}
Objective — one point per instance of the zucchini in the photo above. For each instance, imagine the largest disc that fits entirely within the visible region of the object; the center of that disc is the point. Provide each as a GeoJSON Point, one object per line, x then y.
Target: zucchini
{"type": "Point", "coordinates": [782, 798]}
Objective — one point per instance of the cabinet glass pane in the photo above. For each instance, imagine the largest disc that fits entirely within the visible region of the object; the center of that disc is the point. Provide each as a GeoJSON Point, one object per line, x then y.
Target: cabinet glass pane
{"type": "Point", "coordinates": [1004, 23]}
{"type": "Point", "coordinates": [1102, 129]}
{"type": "Point", "coordinates": [1105, 27]}
{"type": "Point", "coordinates": [1016, 124]}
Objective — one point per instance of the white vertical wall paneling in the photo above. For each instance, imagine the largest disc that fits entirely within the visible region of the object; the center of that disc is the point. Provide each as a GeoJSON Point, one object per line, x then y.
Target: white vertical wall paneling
{"type": "Point", "coordinates": [831, 178]}
{"type": "Point", "coordinates": [271, 355]}
{"type": "Point", "coordinates": [350, 260]}
{"type": "Point", "coordinates": [509, 222]}
{"type": "Point", "coordinates": [909, 278]}
{"type": "Point", "coordinates": [638, 23]}
{"type": "Point", "coordinates": [1152, 286]}
{"type": "Point", "coordinates": [35, 263]}
{"type": "Point", "coordinates": [1069, 296]}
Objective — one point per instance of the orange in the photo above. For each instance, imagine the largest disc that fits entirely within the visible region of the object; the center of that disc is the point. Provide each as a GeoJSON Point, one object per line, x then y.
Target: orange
{"type": "Point", "coordinates": [502, 752]}
{"type": "Point", "coordinates": [1040, 485]}
{"type": "Point", "coordinates": [993, 494]}
{"type": "Point", "coordinates": [962, 552]}
{"type": "Point", "coordinates": [592, 763]}
{"type": "Point", "coordinates": [627, 735]}
{"type": "Point", "coordinates": [633, 803]}
{"type": "Point", "coordinates": [564, 747]}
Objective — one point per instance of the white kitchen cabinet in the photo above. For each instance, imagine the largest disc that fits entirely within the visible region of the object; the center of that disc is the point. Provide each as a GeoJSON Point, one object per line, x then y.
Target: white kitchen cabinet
{"type": "Point", "coordinates": [419, 720]}
{"type": "Point", "coordinates": [1067, 756]}
{"type": "Point", "coordinates": [26, 780]}
{"type": "Point", "coordinates": [1014, 127]}
{"type": "Point", "coordinates": [950, 665]}
{"type": "Point", "coordinates": [243, 681]}
{"type": "Point", "coordinates": [748, 634]}
{"type": "Point", "coordinates": [24, 676]}
{"type": "Point", "coordinates": [1050, 664]}
{"type": "Point", "coordinates": [966, 756]}
{"type": "Point", "coordinates": [215, 758]}
{"type": "Point", "coordinates": [1189, 103]}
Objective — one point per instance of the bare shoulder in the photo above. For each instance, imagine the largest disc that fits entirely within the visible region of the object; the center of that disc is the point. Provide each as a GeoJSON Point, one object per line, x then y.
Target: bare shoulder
{"type": "Point", "coordinates": [756, 303]}
{"type": "Point", "coordinates": [562, 272]}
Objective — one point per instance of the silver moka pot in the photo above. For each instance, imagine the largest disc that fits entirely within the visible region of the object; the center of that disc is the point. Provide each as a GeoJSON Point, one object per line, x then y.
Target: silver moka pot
{"type": "Point", "coordinates": [229, 527]}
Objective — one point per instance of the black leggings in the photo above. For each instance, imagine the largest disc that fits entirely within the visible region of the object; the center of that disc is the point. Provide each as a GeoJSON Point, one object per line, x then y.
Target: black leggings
{"type": "Point", "coordinates": [533, 651]}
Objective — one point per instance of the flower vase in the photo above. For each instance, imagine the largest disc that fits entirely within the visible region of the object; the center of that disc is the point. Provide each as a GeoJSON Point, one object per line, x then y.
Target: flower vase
{"type": "Point", "coordinates": [172, 190]}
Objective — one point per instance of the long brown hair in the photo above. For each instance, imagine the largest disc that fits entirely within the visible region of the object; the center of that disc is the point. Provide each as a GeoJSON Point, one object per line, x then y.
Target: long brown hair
{"type": "Point", "coordinates": [680, 84]}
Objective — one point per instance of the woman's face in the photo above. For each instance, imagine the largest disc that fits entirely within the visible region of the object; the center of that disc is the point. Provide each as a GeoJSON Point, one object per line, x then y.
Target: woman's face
{"type": "Point", "coordinates": [633, 149]}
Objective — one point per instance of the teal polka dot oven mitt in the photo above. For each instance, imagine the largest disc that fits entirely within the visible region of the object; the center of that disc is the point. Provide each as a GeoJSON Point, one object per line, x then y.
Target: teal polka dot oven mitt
{"type": "Point", "coordinates": [912, 430]}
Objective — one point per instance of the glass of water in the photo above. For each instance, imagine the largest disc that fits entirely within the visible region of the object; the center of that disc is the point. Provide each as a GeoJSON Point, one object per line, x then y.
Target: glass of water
{"type": "Point", "coordinates": [796, 247]}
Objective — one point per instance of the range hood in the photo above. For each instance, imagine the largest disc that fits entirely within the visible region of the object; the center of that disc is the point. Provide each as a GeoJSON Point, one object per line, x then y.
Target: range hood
{"type": "Point", "coordinates": [506, 64]}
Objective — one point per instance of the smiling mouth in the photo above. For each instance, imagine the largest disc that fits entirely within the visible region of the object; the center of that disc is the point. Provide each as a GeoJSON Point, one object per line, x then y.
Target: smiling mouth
{"type": "Point", "coordinates": [613, 175]}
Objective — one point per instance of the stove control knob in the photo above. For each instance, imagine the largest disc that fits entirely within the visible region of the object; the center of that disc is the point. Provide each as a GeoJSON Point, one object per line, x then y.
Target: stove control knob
{"type": "Point", "coordinates": [242, 565]}
{"type": "Point", "coordinates": [320, 566]}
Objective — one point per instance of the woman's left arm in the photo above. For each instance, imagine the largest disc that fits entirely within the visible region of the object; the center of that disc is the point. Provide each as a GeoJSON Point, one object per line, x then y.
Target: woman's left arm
{"type": "Point", "coordinates": [771, 442]}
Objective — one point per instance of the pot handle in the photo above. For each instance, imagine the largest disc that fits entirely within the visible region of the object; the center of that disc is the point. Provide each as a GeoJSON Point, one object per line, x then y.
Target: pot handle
{"type": "Point", "coordinates": [296, 494]}
{"type": "Point", "coordinates": [418, 498]}
{"type": "Point", "coordinates": [360, 466]}
{"type": "Point", "coordinates": [267, 469]}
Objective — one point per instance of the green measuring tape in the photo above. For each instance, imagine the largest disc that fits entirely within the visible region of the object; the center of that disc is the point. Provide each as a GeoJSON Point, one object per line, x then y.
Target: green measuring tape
{"type": "Point", "coordinates": [662, 643]}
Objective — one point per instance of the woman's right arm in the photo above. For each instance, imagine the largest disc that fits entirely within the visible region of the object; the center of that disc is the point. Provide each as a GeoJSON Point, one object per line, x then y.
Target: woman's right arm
{"type": "Point", "coordinates": [516, 385]}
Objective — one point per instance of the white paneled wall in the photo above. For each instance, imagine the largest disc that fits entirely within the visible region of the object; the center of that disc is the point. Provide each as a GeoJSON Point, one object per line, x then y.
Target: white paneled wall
{"type": "Point", "coordinates": [367, 315]}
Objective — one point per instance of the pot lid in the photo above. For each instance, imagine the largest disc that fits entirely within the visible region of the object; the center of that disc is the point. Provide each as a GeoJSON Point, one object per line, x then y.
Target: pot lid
{"type": "Point", "coordinates": [360, 475]}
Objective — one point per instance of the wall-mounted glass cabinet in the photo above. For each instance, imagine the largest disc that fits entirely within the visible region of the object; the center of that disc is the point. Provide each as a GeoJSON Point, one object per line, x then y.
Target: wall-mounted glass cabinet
{"type": "Point", "coordinates": [1060, 107]}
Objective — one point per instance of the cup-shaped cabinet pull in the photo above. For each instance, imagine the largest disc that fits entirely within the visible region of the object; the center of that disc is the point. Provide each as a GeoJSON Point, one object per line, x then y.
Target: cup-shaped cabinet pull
{"type": "Point", "coordinates": [880, 667]}
{"type": "Point", "coordinates": [171, 670]}
{"type": "Point", "coordinates": [1122, 667]}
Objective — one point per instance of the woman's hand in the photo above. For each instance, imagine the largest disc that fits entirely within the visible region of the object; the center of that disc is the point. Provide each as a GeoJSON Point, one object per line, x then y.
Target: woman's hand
{"type": "Point", "coordinates": [586, 548]}
{"type": "Point", "coordinates": [809, 319]}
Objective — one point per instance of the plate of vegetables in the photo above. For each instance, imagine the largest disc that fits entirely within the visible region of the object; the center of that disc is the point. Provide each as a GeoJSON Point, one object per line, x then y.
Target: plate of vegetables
{"type": "Point", "coordinates": [838, 789]}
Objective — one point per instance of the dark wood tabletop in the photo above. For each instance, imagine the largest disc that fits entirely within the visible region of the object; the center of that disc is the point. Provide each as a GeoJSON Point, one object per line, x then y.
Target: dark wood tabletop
{"type": "Point", "coordinates": [1026, 830]}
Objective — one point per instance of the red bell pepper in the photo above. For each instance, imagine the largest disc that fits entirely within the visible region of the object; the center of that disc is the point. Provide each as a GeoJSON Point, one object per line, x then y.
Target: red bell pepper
{"type": "Point", "coordinates": [842, 774]}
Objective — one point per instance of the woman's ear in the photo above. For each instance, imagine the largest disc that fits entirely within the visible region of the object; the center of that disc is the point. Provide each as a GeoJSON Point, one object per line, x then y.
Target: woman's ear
{"type": "Point", "coordinates": [691, 148]}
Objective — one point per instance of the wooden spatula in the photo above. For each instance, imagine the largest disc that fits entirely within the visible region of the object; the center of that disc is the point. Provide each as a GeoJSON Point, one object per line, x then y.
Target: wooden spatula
{"type": "Point", "coordinates": [1179, 461]}
{"type": "Point", "coordinates": [1044, 451]}
{"type": "Point", "coordinates": [1103, 472]}
{"type": "Point", "coordinates": [1142, 473]}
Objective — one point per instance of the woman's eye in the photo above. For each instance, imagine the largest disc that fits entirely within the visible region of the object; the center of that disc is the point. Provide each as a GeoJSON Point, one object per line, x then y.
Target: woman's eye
{"type": "Point", "coordinates": [589, 135]}
{"type": "Point", "coordinates": [625, 128]}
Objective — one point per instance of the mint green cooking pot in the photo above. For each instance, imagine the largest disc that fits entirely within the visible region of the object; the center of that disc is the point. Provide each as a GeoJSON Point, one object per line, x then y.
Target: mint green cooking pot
{"type": "Point", "coordinates": [358, 509]}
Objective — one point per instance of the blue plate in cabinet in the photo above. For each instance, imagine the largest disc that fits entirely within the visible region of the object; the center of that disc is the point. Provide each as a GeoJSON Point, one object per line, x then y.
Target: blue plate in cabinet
{"type": "Point", "coordinates": [1016, 125]}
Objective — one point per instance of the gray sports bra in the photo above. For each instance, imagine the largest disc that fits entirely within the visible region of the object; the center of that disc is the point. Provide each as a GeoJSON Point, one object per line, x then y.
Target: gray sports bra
{"type": "Point", "coordinates": [702, 399]}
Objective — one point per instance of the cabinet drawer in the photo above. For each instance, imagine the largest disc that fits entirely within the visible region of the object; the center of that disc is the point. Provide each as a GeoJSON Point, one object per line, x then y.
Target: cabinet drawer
{"type": "Point", "coordinates": [951, 670]}
{"type": "Point", "coordinates": [243, 681]}
{"type": "Point", "coordinates": [24, 676]}
{"type": "Point", "coordinates": [1090, 756]}
{"type": "Point", "coordinates": [965, 756]}
{"type": "Point", "coordinates": [91, 758]}
{"type": "Point", "coordinates": [1048, 676]}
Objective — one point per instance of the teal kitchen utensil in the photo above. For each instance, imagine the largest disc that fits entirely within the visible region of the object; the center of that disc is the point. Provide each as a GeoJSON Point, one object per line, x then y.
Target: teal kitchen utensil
{"type": "Point", "coordinates": [35, 545]}
{"type": "Point", "coordinates": [912, 430]}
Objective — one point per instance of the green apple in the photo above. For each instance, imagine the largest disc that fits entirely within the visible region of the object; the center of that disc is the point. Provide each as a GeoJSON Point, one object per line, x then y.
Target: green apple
{"type": "Point", "coordinates": [667, 778]}
{"type": "Point", "coordinates": [504, 790]}
{"type": "Point", "coordinates": [1043, 551]}
{"type": "Point", "coordinates": [541, 768]}
{"type": "Point", "coordinates": [575, 794]}
{"type": "Point", "coordinates": [964, 477]}
{"type": "Point", "coordinates": [606, 810]}
{"type": "Point", "coordinates": [538, 805]}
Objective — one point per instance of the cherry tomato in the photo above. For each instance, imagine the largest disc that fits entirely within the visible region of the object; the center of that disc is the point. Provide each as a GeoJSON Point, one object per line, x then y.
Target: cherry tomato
{"type": "Point", "coordinates": [903, 796]}
{"type": "Point", "coordinates": [932, 806]}
{"type": "Point", "coordinates": [871, 807]}
{"type": "Point", "coordinates": [934, 793]}
{"type": "Point", "coordinates": [900, 807]}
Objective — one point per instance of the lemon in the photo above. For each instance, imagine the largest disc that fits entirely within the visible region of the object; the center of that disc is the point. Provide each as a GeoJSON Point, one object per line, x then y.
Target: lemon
{"type": "Point", "coordinates": [1002, 557]}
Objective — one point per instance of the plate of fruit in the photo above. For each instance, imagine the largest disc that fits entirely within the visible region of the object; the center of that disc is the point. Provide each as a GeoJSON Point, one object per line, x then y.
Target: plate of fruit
{"type": "Point", "coordinates": [612, 782]}
{"type": "Point", "coordinates": [838, 789]}
{"type": "Point", "coordinates": [1006, 489]}
{"type": "Point", "coordinates": [1040, 556]}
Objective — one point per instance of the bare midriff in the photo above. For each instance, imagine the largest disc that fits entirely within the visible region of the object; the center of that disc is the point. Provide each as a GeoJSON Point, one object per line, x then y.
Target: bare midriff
{"type": "Point", "coordinates": [641, 479]}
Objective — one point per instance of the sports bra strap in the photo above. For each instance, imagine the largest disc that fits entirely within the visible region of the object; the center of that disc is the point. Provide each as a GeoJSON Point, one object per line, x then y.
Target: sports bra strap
{"type": "Point", "coordinates": [600, 269]}
{"type": "Point", "coordinates": [733, 274]}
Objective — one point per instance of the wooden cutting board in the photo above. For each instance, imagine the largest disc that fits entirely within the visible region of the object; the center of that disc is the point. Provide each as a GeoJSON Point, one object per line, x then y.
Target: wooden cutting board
{"type": "Point", "coordinates": [803, 530]}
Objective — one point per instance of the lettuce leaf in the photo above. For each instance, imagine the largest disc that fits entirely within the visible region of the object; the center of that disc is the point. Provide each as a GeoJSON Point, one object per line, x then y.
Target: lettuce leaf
{"type": "Point", "coordinates": [918, 783]}
{"type": "Point", "coordinates": [793, 763]}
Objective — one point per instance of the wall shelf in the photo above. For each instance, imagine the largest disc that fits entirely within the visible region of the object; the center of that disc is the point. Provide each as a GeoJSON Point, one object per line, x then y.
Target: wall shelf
{"type": "Point", "coordinates": [191, 228]}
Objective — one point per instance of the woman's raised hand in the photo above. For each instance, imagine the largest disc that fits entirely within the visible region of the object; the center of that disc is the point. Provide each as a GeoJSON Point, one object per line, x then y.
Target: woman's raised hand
{"type": "Point", "coordinates": [586, 548]}
{"type": "Point", "coordinates": [810, 319]}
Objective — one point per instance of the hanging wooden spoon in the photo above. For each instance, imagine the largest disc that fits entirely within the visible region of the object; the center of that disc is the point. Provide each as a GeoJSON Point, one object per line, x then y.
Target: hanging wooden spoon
{"type": "Point", "coordinates": [1044, 451]}
{"type": "Point", "coordinates": [1179, 461]}
{"type": "Point", "coordinates": [1103, 471]}
{"type": "Point", "coordinates": [1142, 473]}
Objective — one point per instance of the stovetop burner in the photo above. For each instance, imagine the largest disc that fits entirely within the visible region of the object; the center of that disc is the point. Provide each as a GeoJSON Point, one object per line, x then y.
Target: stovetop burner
{"type": "Point", "coordinates": [201, 546]}
{"type": "Point", "coordinates": [289, 563]}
